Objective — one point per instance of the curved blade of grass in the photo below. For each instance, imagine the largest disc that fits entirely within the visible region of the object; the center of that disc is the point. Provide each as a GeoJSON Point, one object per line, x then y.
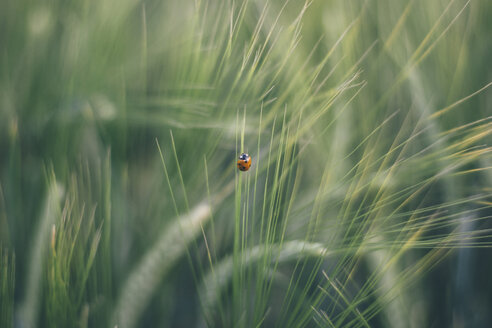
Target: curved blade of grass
{"type": "Point", "coordinates": [7, 284]}
{"type": "Point", "coordinates": [215, 281]}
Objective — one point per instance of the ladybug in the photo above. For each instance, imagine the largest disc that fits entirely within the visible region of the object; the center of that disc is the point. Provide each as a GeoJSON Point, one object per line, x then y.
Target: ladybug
{"type": "Point", "coordinates": [244, 162]}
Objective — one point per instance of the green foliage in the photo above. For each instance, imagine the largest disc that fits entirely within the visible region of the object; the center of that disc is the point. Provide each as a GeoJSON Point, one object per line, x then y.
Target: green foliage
{"type": "Point", "coordinates": [368, 202]}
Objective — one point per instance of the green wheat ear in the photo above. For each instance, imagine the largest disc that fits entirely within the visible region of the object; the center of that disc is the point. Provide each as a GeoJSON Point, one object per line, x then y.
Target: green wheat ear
{"type": "Point", "coordinates": [158, 260]}
{"type": "Point", "coordinates": [173, 242]}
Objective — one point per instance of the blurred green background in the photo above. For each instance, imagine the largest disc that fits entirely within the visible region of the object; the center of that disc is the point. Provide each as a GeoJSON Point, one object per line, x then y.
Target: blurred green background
{"type": "Point", "coordinates": [368, 202]}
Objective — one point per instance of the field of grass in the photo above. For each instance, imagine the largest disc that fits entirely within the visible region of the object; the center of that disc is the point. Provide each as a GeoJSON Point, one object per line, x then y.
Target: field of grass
{"type": "Point", "coordinates": [368, 203]}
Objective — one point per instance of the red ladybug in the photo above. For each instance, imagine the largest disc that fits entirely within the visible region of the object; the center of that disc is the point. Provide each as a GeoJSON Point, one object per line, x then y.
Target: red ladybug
{"type": "Point", "coordinates": [244, 162]}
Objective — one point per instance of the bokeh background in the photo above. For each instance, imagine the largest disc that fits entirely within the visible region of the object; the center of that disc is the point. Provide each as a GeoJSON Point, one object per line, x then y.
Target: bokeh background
{"type": "Point", "coordinates": [368, 202]}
